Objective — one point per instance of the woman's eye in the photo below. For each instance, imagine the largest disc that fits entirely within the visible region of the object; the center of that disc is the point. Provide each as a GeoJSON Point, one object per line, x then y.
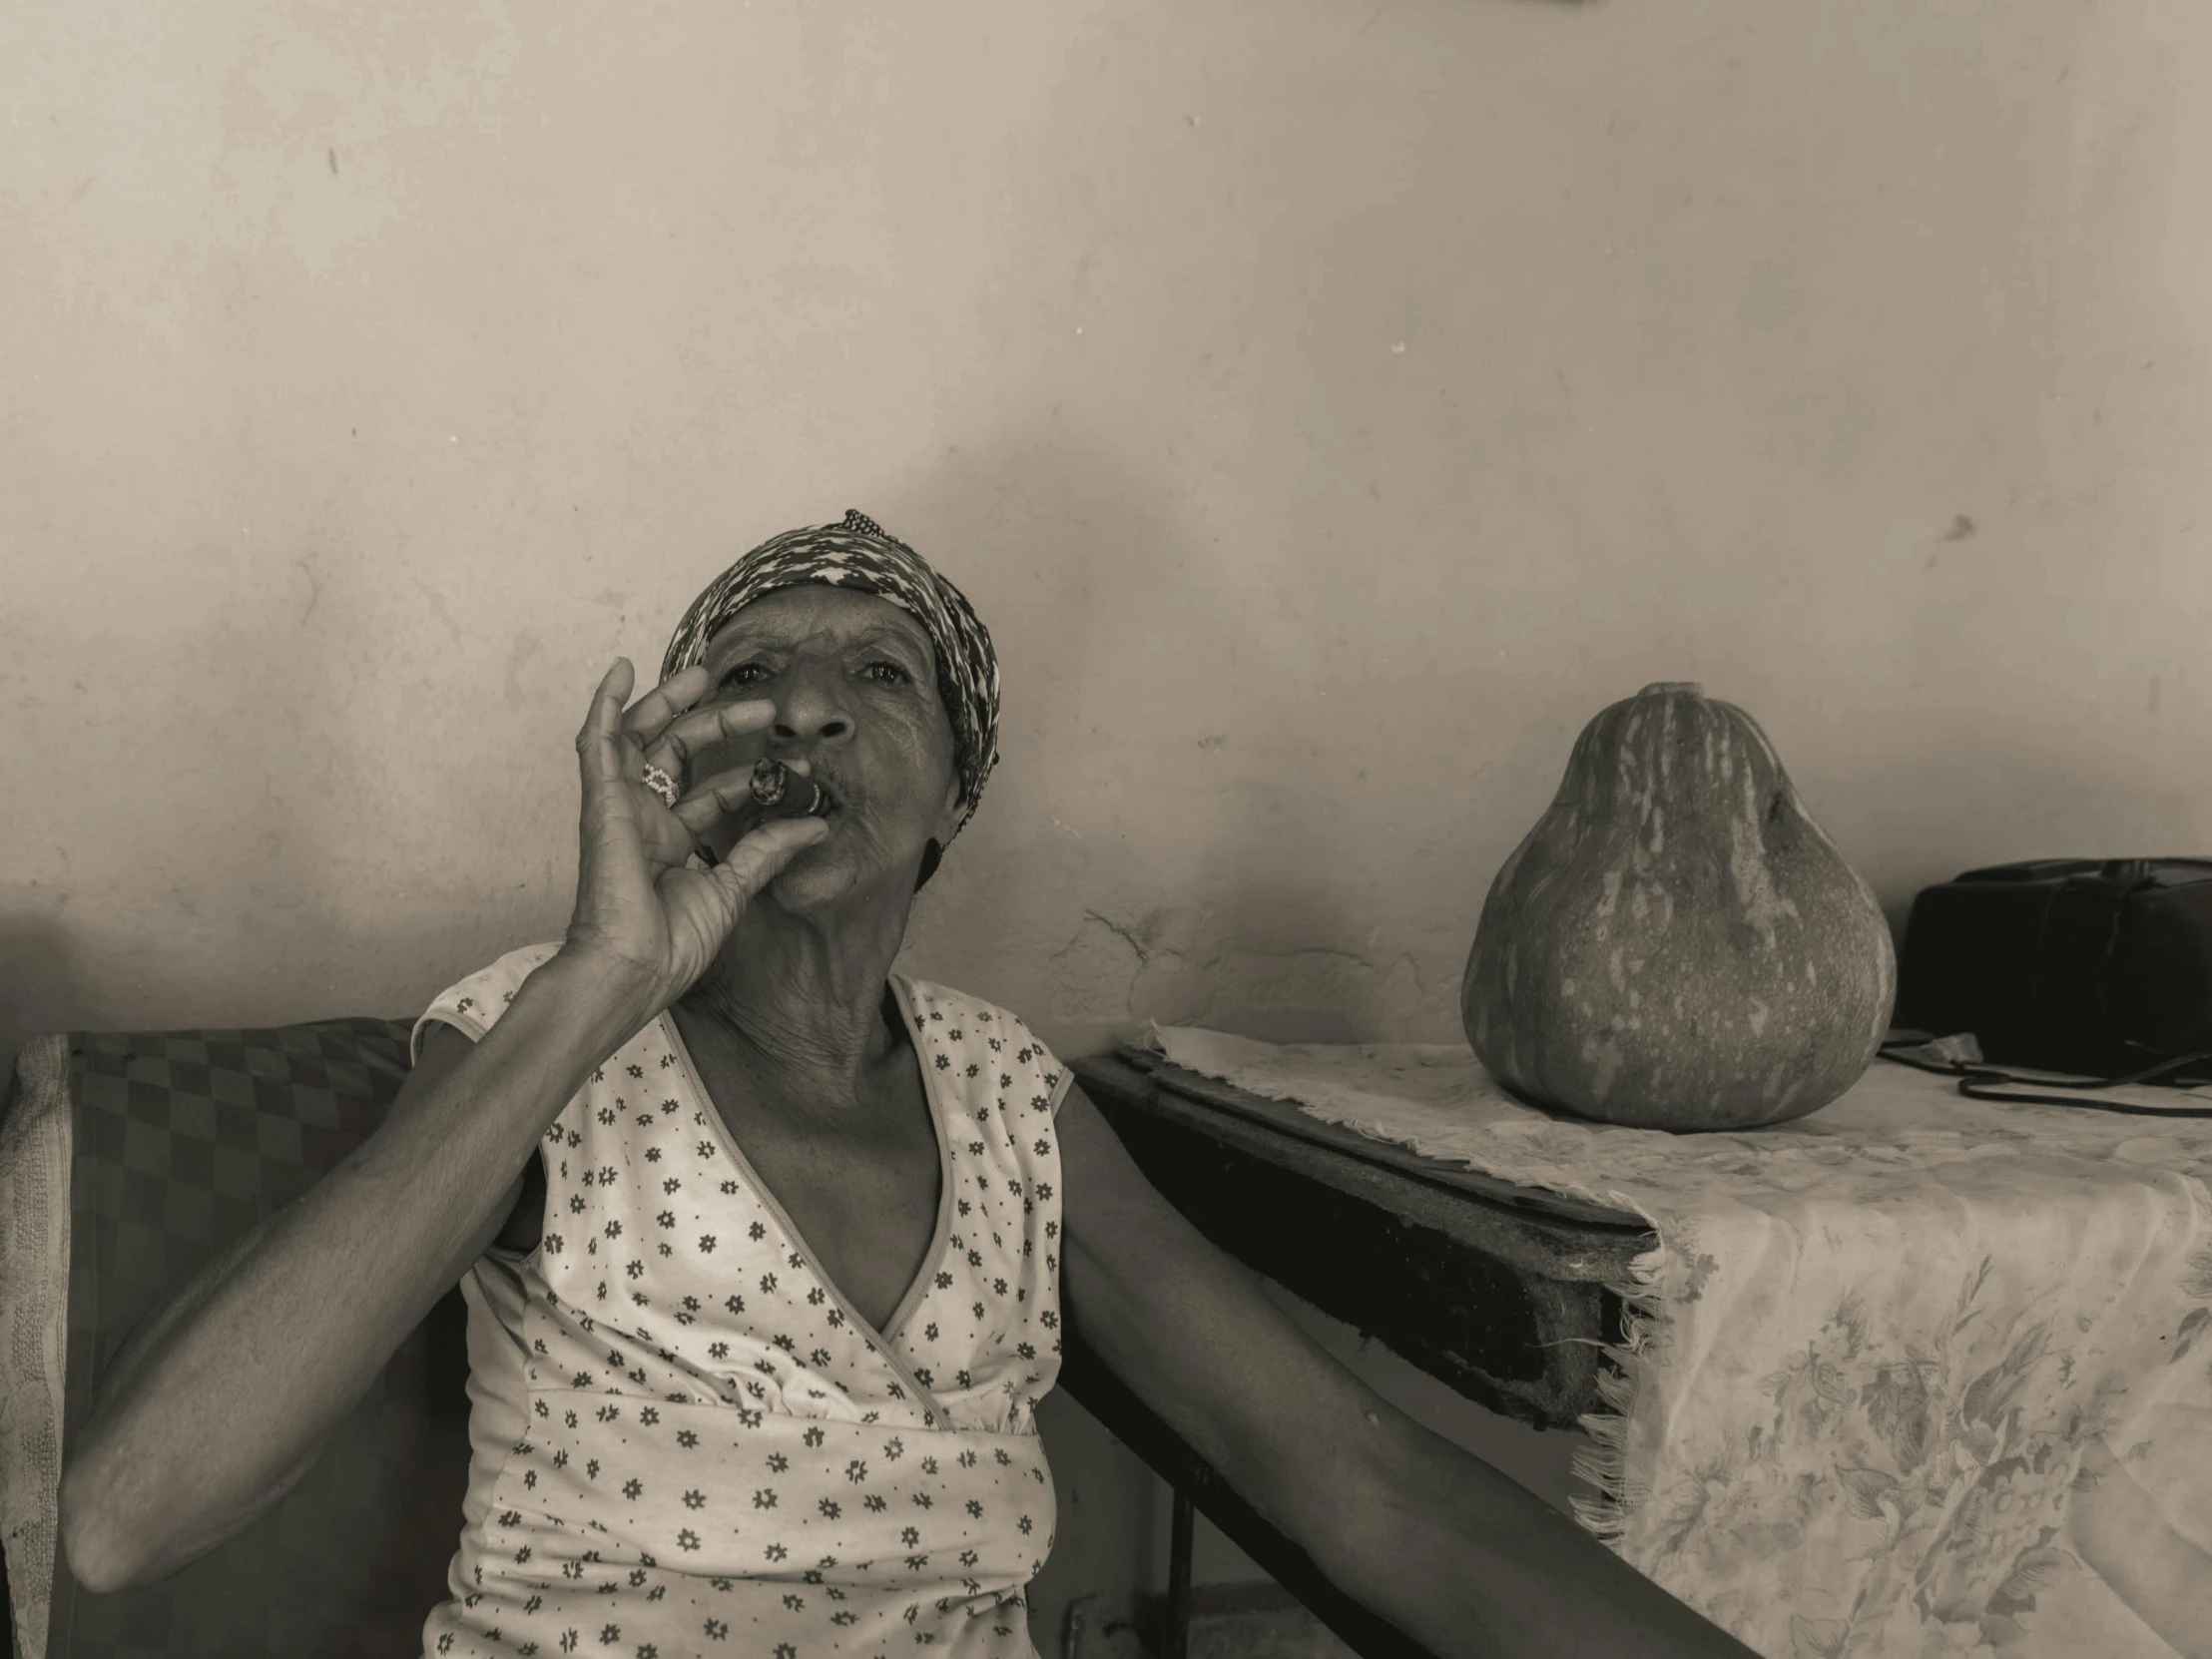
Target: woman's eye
{"type": "Point", "coordinates": [890, 674]}
{"type": "Point", "coordinates": [745, 674]}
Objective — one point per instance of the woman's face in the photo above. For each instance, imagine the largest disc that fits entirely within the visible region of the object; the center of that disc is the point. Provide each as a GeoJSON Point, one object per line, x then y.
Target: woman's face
{"type": "Point", "coordinates": [855, 684]}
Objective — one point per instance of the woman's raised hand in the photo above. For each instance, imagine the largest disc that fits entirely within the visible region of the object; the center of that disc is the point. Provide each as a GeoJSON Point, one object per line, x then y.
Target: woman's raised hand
{"type": "Point", "coordinates": [640, 911]}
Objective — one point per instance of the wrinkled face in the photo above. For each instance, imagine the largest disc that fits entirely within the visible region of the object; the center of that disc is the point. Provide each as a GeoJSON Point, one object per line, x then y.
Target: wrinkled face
{"type": "Point", "coordinates": [855, 684]}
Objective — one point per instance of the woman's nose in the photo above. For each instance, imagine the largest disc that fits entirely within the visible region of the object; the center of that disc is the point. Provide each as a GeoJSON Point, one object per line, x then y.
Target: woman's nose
{"type": "Point", "coordinates": [810, 704]}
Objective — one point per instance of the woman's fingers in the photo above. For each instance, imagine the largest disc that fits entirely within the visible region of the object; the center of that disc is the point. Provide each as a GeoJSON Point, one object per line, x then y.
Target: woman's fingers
{"type": "Point", "coordinates": [705, 729]}
{"type": "Point", "coordinates": [710, 802]}
{"type": "Point", "coordinates": [610, 849]}
{"type": "Point", "coordinates": [599, 746]}
{"type": "Point", "coordinates": [663, 702]}
{"type": "Point", "coordinates": [761, 856]}
{"type": "Point", "coordinates": [657, 729]}
{"type": "Point", "coordinates": [604, 718]}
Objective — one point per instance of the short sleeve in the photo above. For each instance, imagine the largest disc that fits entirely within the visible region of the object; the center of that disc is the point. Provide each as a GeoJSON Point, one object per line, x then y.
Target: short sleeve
{"type": "Point", "coordinates": [474, 1005]}
{"type": "Point", "coordinates": [1061, 1079]}
{"type": "Point", "coordinates": [1055, 1078]}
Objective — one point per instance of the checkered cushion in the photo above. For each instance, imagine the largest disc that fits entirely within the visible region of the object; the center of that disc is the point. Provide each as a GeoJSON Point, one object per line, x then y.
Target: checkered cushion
{"type": "Point", "coordinates": [183, 1139]}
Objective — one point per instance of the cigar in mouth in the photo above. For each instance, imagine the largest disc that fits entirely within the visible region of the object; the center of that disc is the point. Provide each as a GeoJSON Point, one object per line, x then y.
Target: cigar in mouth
{"type": "Point", "coordinates": [781, 793]}
{"type": "Point", "coordinates": [778, 792]}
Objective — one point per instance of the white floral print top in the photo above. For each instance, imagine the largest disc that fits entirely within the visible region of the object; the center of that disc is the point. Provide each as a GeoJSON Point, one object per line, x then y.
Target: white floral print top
{"type": "Point", "coordinates": [685, 1441]}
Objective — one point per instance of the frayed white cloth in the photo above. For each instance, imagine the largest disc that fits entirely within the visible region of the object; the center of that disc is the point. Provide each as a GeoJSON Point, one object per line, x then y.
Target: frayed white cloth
{"type": "Point", "coordinates": [35, 1150]}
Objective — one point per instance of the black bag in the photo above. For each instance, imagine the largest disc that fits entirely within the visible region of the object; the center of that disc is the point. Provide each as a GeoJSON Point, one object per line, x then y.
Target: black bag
{"type": "Point", "coordinates": [2097, 968]}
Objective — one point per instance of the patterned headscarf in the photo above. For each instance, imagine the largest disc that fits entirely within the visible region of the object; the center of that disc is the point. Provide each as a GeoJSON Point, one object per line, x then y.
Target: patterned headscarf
{"type": "Point", "coordinates": [861, 554]}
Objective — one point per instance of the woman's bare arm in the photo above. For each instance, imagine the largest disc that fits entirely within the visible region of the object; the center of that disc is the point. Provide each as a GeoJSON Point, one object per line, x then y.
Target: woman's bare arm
{"type": "Point", "coordinates": [218, 1405]}
{"type": "Point", "coordinates": [1420, 1532]}
{"type": "Point", "coordinates": [219, 1402]}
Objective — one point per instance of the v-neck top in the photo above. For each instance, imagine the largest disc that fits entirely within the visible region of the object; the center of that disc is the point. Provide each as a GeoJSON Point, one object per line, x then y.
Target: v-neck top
{"type": "Point", "coordinates": [684, 1433]}
{"type": "Point", "coordinates": [750, 1180]}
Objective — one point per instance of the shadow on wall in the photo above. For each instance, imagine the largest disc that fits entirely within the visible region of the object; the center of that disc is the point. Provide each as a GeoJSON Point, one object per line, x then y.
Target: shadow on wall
{"type": "Point", "coordinates": [1998, 802]}
{"type": "Point", "coordinates": [41, 987]}
{"type": "Point", "coordinates": [247, 900]}
{"type": "Point", "coordinates": [49, 982]}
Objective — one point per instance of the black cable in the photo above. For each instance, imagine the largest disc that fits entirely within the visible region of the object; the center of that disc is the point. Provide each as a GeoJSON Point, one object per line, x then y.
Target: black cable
{"type": "Point", "coordinates": [1974, 1083]}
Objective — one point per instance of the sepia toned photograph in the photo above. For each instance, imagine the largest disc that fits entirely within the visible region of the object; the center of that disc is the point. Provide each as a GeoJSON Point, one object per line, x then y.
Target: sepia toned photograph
{"type": "Point", "coordinates": [1073, 831]}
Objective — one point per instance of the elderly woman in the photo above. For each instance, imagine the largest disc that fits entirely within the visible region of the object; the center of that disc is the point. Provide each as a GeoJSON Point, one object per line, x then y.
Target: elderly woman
{"type": "Point", "coordinates": [767, 1247]}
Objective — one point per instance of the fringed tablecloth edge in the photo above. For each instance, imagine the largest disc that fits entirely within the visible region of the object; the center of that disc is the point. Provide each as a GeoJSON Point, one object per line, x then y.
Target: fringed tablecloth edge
{"type": "Point", "coordinates": [1603, 1463]}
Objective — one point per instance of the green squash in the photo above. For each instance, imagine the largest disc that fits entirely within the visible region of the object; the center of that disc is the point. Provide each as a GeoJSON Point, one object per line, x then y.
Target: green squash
{"type": "Point", "coordinates": [1677, 944]}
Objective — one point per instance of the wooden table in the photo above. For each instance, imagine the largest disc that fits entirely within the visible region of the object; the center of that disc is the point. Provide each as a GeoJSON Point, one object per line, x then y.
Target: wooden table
{"type": "Point", "coordinates": [1496, 1289]}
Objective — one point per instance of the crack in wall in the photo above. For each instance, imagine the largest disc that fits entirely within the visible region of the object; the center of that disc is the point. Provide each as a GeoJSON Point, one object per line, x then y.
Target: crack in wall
{"type": "Point", "coordinates": [1127, 935]}
{"type": "Point", "coordinates": [1113, 969]}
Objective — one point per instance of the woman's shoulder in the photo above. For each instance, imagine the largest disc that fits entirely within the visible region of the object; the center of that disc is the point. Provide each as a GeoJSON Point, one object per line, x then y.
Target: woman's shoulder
{"type": "Point", "coordinates": [475, 1003]}
{"type": "Point", "coordinates": [986, 1041]}
{"type": "Point", "coordinates": [965, 1017]}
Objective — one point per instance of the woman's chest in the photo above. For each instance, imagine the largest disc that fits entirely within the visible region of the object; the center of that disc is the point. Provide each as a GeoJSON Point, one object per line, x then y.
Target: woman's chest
{"type": "Point", "coordinates": [915, 1273]}
{"type": "Point", "coordinates": [864, 1208]}
{"type": "Point", "coordinates": [851, 1174]}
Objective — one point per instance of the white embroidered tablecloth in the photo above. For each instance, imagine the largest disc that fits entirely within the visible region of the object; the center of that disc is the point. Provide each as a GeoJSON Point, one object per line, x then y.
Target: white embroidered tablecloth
{"type": "Point", "coordinates": [1914, 1376]}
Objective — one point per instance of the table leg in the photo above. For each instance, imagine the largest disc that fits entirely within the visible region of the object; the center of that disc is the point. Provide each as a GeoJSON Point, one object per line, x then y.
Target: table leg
{"type": "Point", "coordinates": [1175, 1620]}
